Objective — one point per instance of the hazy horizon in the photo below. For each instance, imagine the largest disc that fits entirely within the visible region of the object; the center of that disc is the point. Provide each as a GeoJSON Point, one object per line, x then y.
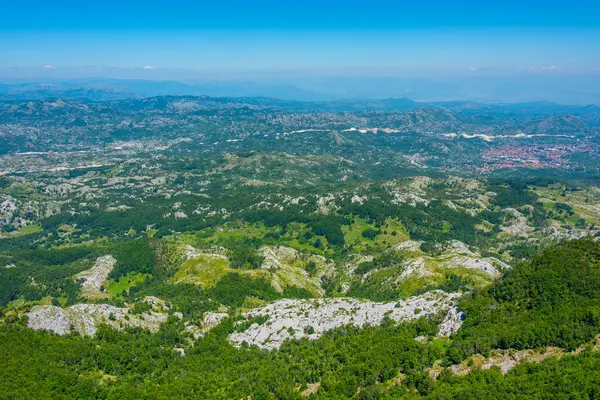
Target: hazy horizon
{"type": "Point", "coordinates": [509, 88]}
{"type": "Point", "coordinates": [509, 51]}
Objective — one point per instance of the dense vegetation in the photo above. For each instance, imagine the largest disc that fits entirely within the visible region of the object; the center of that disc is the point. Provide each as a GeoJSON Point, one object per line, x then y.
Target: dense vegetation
{"type": "Point", "coordinates": [551, 300]}
{"type": "Point", "coordinates": [554, 300]}
{"type": "Point", "coordinates": [567, 378]}
{"type": "Point", "coordinates": [213, 208]}
{"type": "Point", "coordinates": [124, 365]}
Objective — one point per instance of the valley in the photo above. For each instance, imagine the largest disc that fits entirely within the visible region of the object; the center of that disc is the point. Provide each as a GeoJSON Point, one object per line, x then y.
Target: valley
{"type": "Point", "coordinates": [180, 246]}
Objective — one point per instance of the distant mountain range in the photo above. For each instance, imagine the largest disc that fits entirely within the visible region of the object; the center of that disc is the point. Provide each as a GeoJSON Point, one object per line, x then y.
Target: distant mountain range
{"type": "Point", "coordinates": [55, 124]}
{"type": "Point", "coordinates": [566, 89]}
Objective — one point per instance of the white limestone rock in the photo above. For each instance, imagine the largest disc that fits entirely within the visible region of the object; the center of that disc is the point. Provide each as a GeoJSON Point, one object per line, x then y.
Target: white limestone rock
{"type": "Point", "coordinates": [358, 199]}
{"type": "Point", "coordinates": [519, 224]}
{"type": "Point", "coordinates": [295, 319]}
{"type": "Point", "coordinates": [287, 268]}
{"type": "Point", "coordinates": [85, 318]}
{"type": "Point", "coordinates": [180, 215]}
{"type": "Point", "coordinates": [484, 265]}
{"type": "Point", "coordinates": [552, 233]}
{"type": "Point", "coordinates": [49, 318]}
{"type": "Point", "coordinates": [409, 245]}
{"type": "Point", "coordinates": [451, 323]}
{"type": "Point", "coordinates": [456, 255]}
{"type": "Point", "coordinates": [415, 268]}
{"type": "Point", "coordinates": [212, 319]}
{"type": "Point", "coordinates": [95, 277]}
{"type": "Point", "coordinates": [121, 207]}
{"type": "Point", "coordinates": [458, 247]}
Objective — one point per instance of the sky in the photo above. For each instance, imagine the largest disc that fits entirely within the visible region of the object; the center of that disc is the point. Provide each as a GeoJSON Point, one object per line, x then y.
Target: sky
{"type": "Point", "coordinates": [310, 37]}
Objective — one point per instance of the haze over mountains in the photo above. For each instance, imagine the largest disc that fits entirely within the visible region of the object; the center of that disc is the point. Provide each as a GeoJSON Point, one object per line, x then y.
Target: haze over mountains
{"type": "Point", "coordinates": [95, 84]}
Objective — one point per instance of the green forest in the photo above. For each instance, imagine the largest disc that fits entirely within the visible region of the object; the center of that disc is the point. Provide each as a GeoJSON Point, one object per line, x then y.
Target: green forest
{"type": "Point", "coordinates": [551, 300]}
{"type": "Point", "coordinates": [204, 248]}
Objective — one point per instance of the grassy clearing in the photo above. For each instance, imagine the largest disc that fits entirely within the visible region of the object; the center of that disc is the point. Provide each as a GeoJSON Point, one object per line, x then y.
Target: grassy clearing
{"type": "Point", "coordinates": [29, 229]}
{"type": "Point", "coordinates": [208, 269]}
{"type": "Point", "coordinates": [478, 278]}
{"type": "Point", "coordinates": [234, 231]}
{"type": "Point", "coordinates": [416, 284]}
{"type": "Point", "coordinates": [25, 230]}
{"type": "Point", "coordinates": [307, 247]}
{"type": "Point", "coordinates": [582, 201]}
{"type": "Point", "coordinates": [388, 237]}
{"type": "Point", "coordinates": [252, 302]}
{"type": "Point", "coordinates": [353, 233]}
{"type": "Point", "coordinates": [294, 276]}
{"type": "Point", "coordinates": [392, 233]}
{"type": "Point", "coordinates": [116, 288]}
{"type": "Point", "coordinates": [441, 343]}
{"type": "Point", "coordinates": [205, 270]}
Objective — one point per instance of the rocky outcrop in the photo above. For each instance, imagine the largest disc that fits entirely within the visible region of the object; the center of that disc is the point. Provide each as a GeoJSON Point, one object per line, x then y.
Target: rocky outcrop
{"type": "Point", "coordinates": [452, 322]}
{"type": "Point", "coordinates": [552, 233]}
{"type": "Point", "coordinates": [486, 266]}
{"type": "Point", "coordinates": [455, 256]}
{"type": "Point", "coordinates": [94, 278]}
{"type": "Point", "coordinates": [518, 225]}
{"type": "Point", "coordinates": [409, 246]}
{"type": "Point", "coordinates": [288, 268]}
{"type": "Point", "coordinates": [505, 360]}
{"type": "Point", "coordinates": [295, 319]}
{"type": "Point", "coordinates": [49, 318]}
{"type": "Point", "coordinates": [209, 321]}
{"type": "Point", "coordinates": [212, 319]}
{"type": "Point", "coordinates": [85, 318]}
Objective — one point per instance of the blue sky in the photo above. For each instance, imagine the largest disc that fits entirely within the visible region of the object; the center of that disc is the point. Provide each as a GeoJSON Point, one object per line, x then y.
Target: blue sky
{"type": "Point", "coordinates": [326, 36]}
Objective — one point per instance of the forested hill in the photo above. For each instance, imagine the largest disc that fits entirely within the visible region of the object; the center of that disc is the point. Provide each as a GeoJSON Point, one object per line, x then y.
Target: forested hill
{"type": "Point", "coordinates": [253, 248]}
{"type": "Point", "coordinates": [548, 301]}
{"type": "Point", "coordinates": [434, 139]}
